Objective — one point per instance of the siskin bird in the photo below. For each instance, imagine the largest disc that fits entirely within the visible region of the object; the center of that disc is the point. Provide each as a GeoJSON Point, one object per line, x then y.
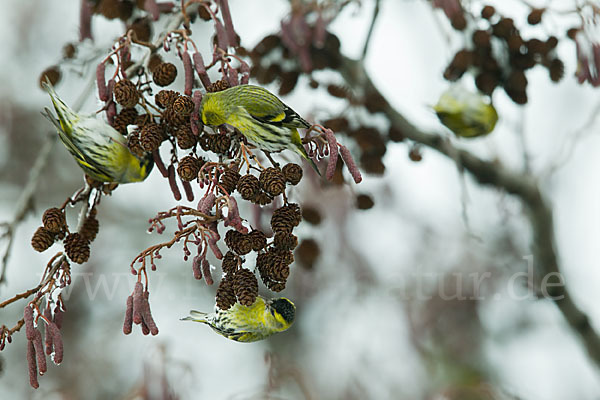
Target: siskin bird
{"type": "Point", "coordinates": [466, 113]}
{"type": "Point", "coordinates": [99, 149]}
{"type": "Point", "coordinates": [249, 324]}
{"type": "Point", "coordinates": [259, 115]}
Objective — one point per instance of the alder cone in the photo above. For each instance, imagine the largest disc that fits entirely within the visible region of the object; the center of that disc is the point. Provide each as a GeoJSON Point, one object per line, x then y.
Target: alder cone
{"type": "Point", "coordinates": [42, 239]}
{"type": "Point", "coordinates": [77, 248]}
{"type": "Point", "coordinates": [225, 297]}
{"type": "Point", "coordinates": [245, 286]}
{"type": "Point", "coordinates": [164, 74]}
{"type": "Point", "coordinates": [54, 220]}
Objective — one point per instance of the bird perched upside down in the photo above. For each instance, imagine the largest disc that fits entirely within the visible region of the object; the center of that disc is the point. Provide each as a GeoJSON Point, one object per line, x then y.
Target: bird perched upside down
{"type": "Point", "coordinates": [260, 117]}
{"type": "Point", "coordinates": [249, 324]}
{"type": "Point", "coordinates": [99, 149]}
{"type": "Point", "coordinates": [466, 113]}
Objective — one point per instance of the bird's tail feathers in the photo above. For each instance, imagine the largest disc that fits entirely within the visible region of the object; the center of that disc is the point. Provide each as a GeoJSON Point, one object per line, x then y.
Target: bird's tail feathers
{"type": "Point", "coordinates": [66, 116]}
{"type": "Point", "coordinates": [51, 117]}
{"type": "Point", "coordinates": [197, 316]}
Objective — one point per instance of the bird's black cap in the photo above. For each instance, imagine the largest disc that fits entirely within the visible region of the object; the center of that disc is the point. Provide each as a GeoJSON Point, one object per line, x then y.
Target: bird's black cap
{"type": "Point", "coordinates": [286, 308]}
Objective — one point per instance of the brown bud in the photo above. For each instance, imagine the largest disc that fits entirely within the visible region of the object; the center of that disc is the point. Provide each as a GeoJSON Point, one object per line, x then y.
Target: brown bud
{"type": "Point", "coordinates": [536, 46]}
{"type": "Point", "coordinates": [535, 16]}
{"type": "Point", "coordinates": [556, 70]}
{"type": "Point", "coordinates": [503, 28]}
{"type": "Point", "coordinates": [572, 32]}
{"type": "Point", "coordinates": [142, 28]}
{"type": "Point", "coordinates": [288, 82]}
{"type": "Point", "coordinates": [516, 81]}
{"type": "Point", "coordinates": [414, 154]}
{"type": "Point", "coordinates": [486, 82]}
{"type": "Point", "coordinates": [515, 43]}
{"type": "Point", "coordinates": [267, 44]}
{"type": "Point", "coordinates": [292, 173]}
{"type": "Point", "coordinates": [481, 38]}
{"type": "Point", "coordinates": [77, 248]}
{"type": "Point", "coordinates": [126, 94]}
{"type": "Point", "coordinates": [272, 181]}
{"type": "Point", "coordinates": [364, 202]}
{"type": "Point", "coordinates": [311, 215]}
{"type": "Point", "coordinates": [395, 134]}
{"type": "Point", "coordinates": [488, 12]}
{"type": "Point", "coordinates": [308, 253]}
{"type": "Point", "coordinates": [552, 42]}
{"type": "Point", "coordinates": [459, 22]}
{"type": "Point", "coordinates": [42, 239]}
{"type": "Point", "coordinates": [338, 124]}
{"type": "Point", "coordinates": [51, 74]}
{"type": "Point", "coordinates": [341, 92]}
{"type": "Point", "coordinates": [54, 220]}
{"type": "Point", "coordinates": [522, 61]}
{"type": "Point", "coordinates": [372, 164]}
{"type": "Point", "coordinates": [108, 8]}
{"type": "Point", "coordinates": [69, 50]}
{"type": "Point", "coordinates": [188, 168]}
{"type": "Point", "coordinates": [518, 96]}
{"type": "Point", "coordinates": [164, 74]}
{"type": "Point", "coordinates": [248, 186]}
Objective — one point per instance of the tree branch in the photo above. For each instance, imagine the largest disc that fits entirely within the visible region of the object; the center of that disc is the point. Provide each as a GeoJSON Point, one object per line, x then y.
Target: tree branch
{"type": "Point", "coordinates": [368, 39]}
{"type": "Point", "coordinates": [523, 186]}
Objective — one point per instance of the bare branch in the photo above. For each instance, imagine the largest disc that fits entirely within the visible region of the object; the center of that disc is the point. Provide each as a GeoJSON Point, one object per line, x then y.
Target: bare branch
{"type": "Point", "coordinates": [373, 20]}
{"type": "Point", "coordinates": [522, 185]}
{"type": "Point", "coordinates": [25, 201]}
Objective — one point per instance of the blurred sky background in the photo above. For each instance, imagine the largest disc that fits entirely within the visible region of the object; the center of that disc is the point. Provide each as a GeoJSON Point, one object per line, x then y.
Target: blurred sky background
{"type": "Point", "coordinates": [361, 331]}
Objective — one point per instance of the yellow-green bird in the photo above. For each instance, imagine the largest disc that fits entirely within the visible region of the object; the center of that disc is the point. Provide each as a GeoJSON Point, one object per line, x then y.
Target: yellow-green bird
{"type": "Point", "coordinates": [99, 149]}
{"type": "Point", "coordinates": [259, 115]}
{"type": "Point", "coordinates": [249, 324]}
{"type": "Point", "coordinates": [467, 114]}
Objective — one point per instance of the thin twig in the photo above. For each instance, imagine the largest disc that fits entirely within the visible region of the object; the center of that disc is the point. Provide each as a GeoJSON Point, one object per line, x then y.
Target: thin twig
{"type": "Point", "coordinates": [368, 39]}
{"type": "Point", "coordinates": [25, 201]}
{"type": "Point", "coordinates": [574, 138]}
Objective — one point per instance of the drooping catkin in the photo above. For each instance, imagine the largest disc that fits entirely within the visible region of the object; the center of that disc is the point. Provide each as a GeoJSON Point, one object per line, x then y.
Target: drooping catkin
{"type": "Point", "coordinates": [128, 323]}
